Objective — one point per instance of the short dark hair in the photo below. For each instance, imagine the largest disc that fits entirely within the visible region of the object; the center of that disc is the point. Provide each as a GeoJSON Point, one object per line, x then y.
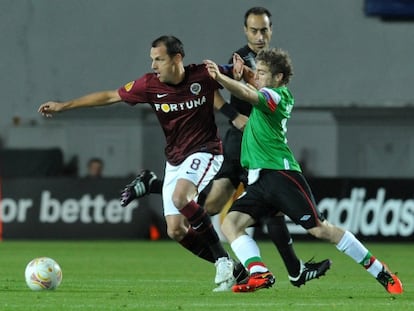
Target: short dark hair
{"type": "Point", "coordinates": [173, 44]}
{"type": "Point", "coordinates": [257, 10]}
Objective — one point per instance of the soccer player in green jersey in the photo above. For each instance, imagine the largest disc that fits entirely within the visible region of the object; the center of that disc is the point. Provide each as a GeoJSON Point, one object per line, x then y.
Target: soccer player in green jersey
{"type": "Point", "coordinates": [258, 31]}
{"type": "Point", "coordinates": [276, 184]}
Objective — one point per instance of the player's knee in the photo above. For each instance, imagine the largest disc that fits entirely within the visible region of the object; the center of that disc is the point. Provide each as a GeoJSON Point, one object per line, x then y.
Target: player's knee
{"type": "Point", "coordinates": [179, 200]}
{"type": "Point", "coordinates": [176, 233]}
{"type": "Point", "coordinates": [317, 232]}
{"type": "Point", "coordinates": [323, 231]}
{"type": "Point", "coordinates": [183, 194]}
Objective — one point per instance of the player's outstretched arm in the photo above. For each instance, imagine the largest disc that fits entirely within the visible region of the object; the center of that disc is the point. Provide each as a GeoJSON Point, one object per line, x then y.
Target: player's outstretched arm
{"type": "Point", "coordinates": [238, 120]}
{"type": "Point", "coordinates": [238, 89]}
{"type": "Point", "coordinates": [91, 100]}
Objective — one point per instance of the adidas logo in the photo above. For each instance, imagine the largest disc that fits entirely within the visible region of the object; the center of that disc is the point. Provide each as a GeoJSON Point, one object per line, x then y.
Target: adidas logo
{"type": "Point", "coordinates": [310, 275]}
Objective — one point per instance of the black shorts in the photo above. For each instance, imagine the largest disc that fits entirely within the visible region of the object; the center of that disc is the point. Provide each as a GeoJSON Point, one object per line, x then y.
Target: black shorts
{"type": "Point", "coordinates": [231, 167]}
{"type": "Point", "coordinates": [280, 191]}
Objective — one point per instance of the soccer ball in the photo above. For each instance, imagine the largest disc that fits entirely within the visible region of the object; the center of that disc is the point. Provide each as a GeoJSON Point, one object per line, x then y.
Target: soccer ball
{"type": "Point", "coordinates": [43, 273]}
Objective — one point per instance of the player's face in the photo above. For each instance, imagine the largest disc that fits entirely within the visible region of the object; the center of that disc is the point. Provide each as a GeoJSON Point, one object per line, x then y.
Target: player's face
{"type": "Point", "coordinates": [263, 77]}
{"type": "Point", "coordinates": [162, 64]}
{"type": "Point", "coordinates": [258, 32]}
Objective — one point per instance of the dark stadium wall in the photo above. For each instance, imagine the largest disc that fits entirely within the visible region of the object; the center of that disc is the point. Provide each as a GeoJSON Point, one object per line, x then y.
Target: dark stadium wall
{"type": "Point", "coordinates": [342, 59]}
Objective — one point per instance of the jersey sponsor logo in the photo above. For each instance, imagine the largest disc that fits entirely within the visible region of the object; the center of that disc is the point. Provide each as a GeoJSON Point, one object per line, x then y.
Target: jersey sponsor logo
{"type": "Point", "coordinates": [161, 95]}
{"type": "Point", "coordinates": [188, 105]}
{"type": "Point", "coordinates": [195, 88]}
{"type": "Point", "coordinates": [129, 86]}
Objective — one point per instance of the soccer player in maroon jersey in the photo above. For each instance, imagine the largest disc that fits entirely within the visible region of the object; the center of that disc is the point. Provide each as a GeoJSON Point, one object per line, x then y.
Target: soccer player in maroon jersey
{"type": "Point", "coordinates": [183, 99]}
{"type": "Point", "coordinates": [258, 31]}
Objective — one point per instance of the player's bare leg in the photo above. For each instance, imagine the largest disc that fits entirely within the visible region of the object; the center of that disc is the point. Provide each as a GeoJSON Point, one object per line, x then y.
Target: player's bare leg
{"type": "Point", "coordinates": [222, 190]}
{"type": "Point", "coordinates": [347, 243]}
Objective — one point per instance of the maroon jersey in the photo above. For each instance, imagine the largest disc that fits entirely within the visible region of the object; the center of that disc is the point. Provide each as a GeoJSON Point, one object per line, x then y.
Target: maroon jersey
{"type": "Point", "coordinates": [185, 111]}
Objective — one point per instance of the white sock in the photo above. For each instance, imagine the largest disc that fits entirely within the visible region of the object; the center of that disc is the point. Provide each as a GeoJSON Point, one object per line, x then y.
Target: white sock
{"type": "Point", "coordinates": [375, 268]}
{"type": "Point", "coordinates": [352, 247]}
{"type": "Point", "coordinates": [247, 251]}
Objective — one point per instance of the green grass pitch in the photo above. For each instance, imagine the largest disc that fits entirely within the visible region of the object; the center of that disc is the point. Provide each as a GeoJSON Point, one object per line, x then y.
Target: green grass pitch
{"type": "Point", "coordinates": [161, 275]}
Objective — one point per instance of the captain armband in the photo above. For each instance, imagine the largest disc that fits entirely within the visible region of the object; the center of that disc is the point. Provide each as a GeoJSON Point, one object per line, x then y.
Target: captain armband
{"type": "Point", "coordinates": [229, 111]}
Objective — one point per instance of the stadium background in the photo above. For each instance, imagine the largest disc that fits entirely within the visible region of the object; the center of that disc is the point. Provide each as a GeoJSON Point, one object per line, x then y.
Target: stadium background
{"type": "Point", "coordinates": [353, 85]}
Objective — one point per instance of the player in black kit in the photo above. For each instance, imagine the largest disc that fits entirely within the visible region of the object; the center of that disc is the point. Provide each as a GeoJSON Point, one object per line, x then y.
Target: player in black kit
{"type": "Point", "coordinates": [258, 31]}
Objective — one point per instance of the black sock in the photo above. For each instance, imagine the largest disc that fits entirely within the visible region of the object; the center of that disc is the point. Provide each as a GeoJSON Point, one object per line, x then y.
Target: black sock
{"type": "Point", "coordinates": [195, 244]}
{"type": "Point", "coordinates": [201, 222]}
{"type": "Point", "coordinates": [280, 236]}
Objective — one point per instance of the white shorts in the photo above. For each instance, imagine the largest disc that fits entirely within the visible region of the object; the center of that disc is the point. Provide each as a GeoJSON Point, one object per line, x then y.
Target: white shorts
{"type": "Point", "coordinates": [199, 168]}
